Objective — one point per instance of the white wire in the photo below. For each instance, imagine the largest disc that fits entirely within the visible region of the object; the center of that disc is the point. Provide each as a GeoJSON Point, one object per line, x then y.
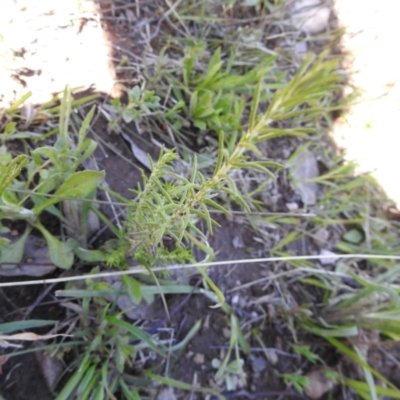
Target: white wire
{"type": "Point", "coordinates": [142, 270]}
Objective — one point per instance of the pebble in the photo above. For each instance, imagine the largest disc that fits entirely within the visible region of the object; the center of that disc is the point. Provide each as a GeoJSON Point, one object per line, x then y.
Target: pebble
{"type": "Point", "coordinates": [189, 354]}
{"type": "Point", "coordinates": [258, 363]}
{"type": "Point", "coordinates": [272, 356]}
{"type": "Point", "coordinates": [328, 260]}
{"type": "Point", "coordinates": [226, 332]}
{"type": "Point", "coordinates": [321, 236]}
{"type": "Point", "coordinates": [292, 206]}
{"type": "Point", "coordinates": [310, 16]}
{"type": "Point", "coordinates": [198, 358]}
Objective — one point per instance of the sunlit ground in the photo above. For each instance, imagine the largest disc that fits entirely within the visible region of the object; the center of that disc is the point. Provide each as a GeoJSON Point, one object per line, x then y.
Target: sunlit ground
{"type": "Point", "coordinates": [47, 44]}
{"type": "Point", "coordinates": [370, 132]}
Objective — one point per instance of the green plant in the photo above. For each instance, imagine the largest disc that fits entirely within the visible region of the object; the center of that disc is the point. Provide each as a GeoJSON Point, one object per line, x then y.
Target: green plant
{"type": "Point", "coordinates": [59, 176]}
{"type": "Point", "coordinates": [170, 207]}
{"type": "Point", "coordinates": [306, 352]}
{"type": "Point", "coordinates": [216, 95]}
{"type": "Point", "coordinates": [298, 381]}
{"type": "Point", "coordinates": [141, 103]}
{"type": "Point", "coordinates": [109, 364]}
{"type": "Point", "coordinates": [231, 372]}
{"type": "Point", "coordinates": [103, 368]}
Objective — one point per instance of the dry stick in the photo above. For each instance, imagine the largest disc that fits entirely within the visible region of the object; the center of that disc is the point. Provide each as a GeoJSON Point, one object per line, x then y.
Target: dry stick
{"type": "Point", "coordinates": [141, 270]}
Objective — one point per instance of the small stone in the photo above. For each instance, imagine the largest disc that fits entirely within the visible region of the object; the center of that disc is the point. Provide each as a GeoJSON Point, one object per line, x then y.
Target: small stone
{"type": "Point", "coordinates": [215, 363]}
{"type": "Point", "coordinates": [235, 300]}
{"type": "Point", "coordinates": [167, 394]}
{"type": "Point", "coordinates": [321, 236]}
{"type": "Point", "coordinates": [198, 358]}
{"type": "Point", "coordinates": [272, 356]}
{"type": "Point", "coordinates": [242, 302]}
{"type": "Point", "coordinates": [310, 16]}
{"type": "Point", "coordinates": [318, 384]}
{"type": "Point", "coordinates": [226, 332]}
{"type": "Point", "coordinates": [292, 206]}
{"type": "Point", "coordinates": [329, 258]}
{"type": "Point", "coordinates": [258, 363]}
{"type": "Point", "coordinates": [237, 242]}
{"type": "Point", "coordinates": [300, 48]}
{"type": "Point", "coordinates": [271, 311]}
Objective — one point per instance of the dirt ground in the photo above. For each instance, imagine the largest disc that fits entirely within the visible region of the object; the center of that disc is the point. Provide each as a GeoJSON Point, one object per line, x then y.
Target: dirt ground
{"type": "Point", "coordinates": [22, 377]}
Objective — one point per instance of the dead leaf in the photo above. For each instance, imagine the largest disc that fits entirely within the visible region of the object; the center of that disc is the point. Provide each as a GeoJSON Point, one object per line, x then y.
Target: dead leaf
{"type": "Point", "coordinates": [130, 15]}
{"type": "Point", "coordinates": [302, 169]}
{"type": "Point", "coordinates": [318, 384]}
{"type": "Point", "coordinates": [51, 367]}
{"type": "Point", "coordinates": [35, 262]}
{"type": "Point", "coordinates": [139, 154]}
{"type": "Point", "coordinates": [167, 394]}
{"type": "Point", "coordinates": [30, 336]}
{"type": "Point", "coordinates": [5, 345]}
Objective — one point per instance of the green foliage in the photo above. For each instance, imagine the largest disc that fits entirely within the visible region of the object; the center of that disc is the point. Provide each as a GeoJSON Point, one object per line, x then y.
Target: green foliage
{"type": "Point", "coordinates": [228, 369]}
{"type": "Point", "coordinates": [21, 325]}
{"type": "Point", "coordinates": [141, 103]}
{"type": "Point", "coordinates": [216, 96]}
{"type": "Point", "coordinates": [236, 107]}
{"type": "Point", "coordinates": [298, 381]}
{"type": "Point", "coordinates": [169, 205]}
{"type": "Point", "coordinates": [50, 177]}
{"type": "Point", "coordinates": [11, 171]}
{"type": "Point", "coordinates": [307, 353]}
{"type": "Point", "coordinates": [113, 343]}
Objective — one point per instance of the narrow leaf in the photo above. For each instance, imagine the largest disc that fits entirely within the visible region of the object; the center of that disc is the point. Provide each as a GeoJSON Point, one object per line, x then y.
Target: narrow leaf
{"type": "Point", "coordinates": [79, 184]}
{"type": "Point", "coordinates": [137, 333]}
{"type": "Point", "coordinates": [133, 287]}
{"type": "Point", "coordinates": [21, 325]}
{"type": "Point", "coordinates": [12, 170]}
{"type": "Point", "coordinates": [61, 253]}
